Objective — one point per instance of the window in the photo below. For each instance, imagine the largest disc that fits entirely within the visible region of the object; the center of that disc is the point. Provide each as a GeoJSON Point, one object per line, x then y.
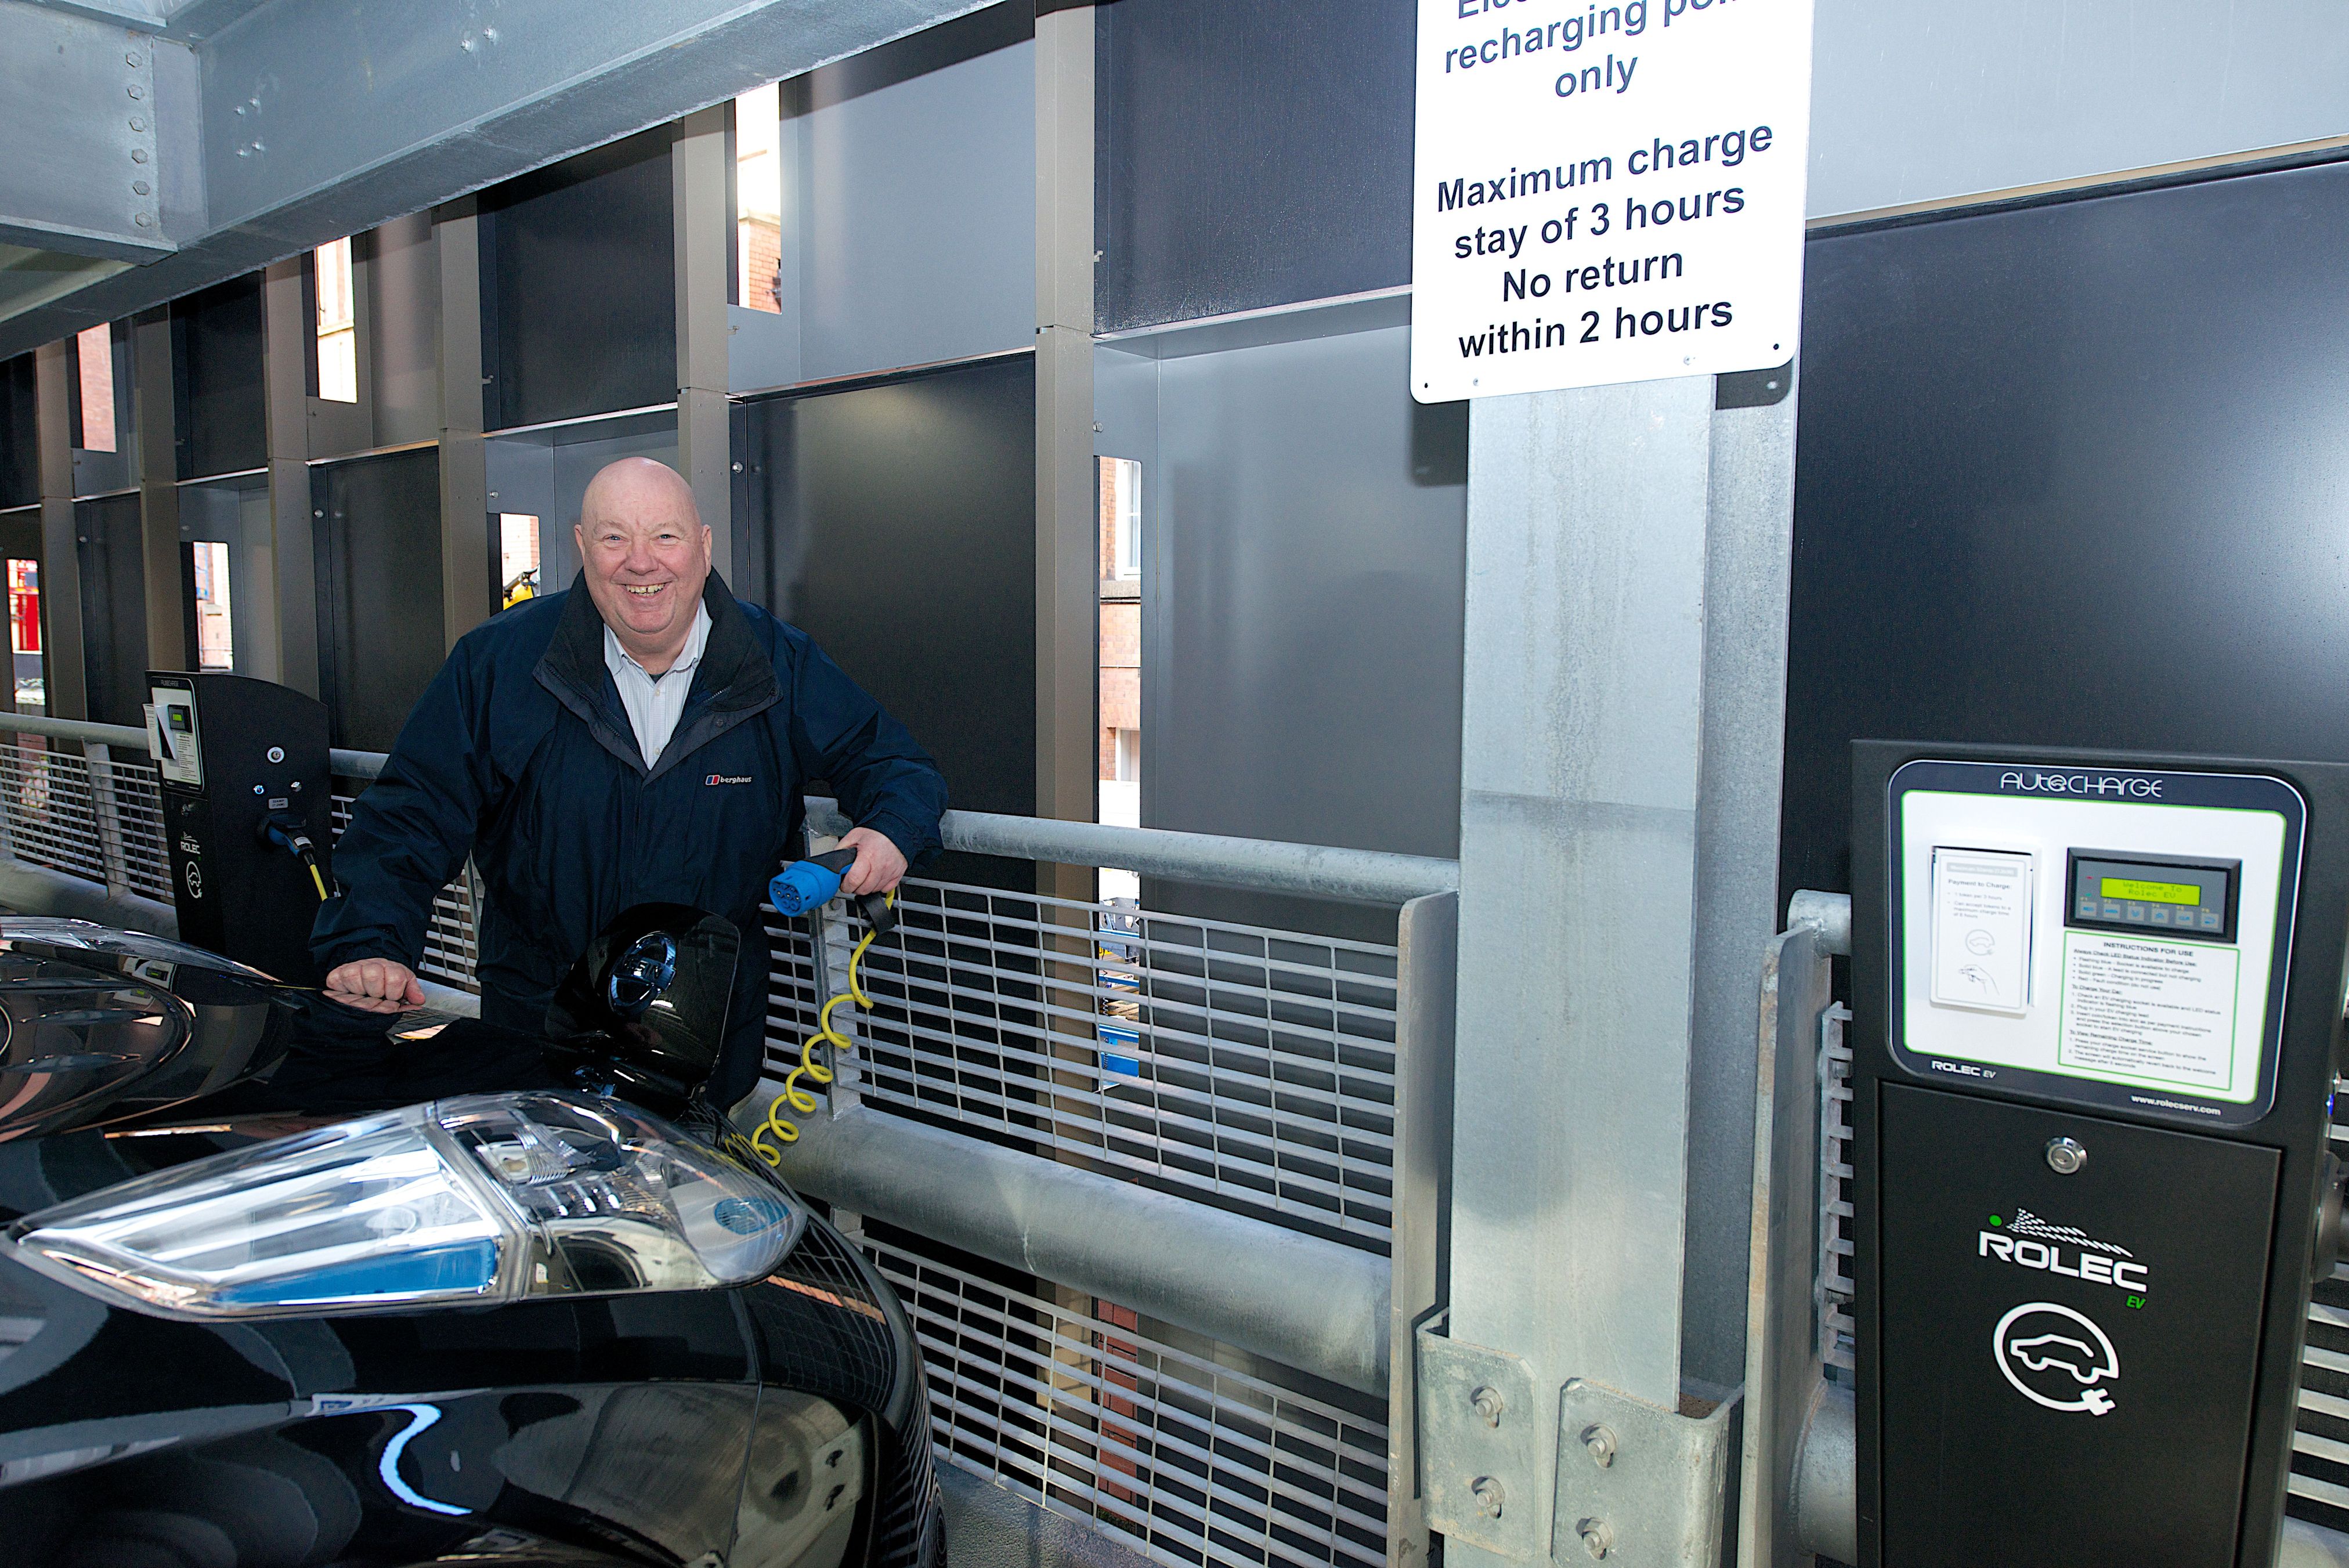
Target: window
{"type": "Point", "coordinates": [758, 198]}
{"type": "Point", "coordinates": [94, 357]}
{"type": "Point", "coordinates": [30, 692]}
{"type": "Point", "coordinates": [338, 334]}
{"type": "Point", "coordinates": [216, 635]}
{"type": "Point", "coordinates": [1119, 786]}
{"type": "Point", "coordinates": [517, 558]}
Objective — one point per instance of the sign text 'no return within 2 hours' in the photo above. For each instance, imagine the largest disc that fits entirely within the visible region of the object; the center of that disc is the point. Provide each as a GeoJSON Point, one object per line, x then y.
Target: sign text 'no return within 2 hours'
{"type": "Point", "coordinates": [1606, 192]}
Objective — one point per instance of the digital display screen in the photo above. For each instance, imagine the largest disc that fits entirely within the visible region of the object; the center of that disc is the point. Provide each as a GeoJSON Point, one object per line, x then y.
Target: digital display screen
{"type": "Point", "coordinates": [2153, 896]}
{"type": "Point", "coordinates": [2151, 892]}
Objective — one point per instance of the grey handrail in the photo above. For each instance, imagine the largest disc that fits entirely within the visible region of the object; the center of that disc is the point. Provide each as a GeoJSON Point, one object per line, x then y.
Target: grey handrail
{"type": "Point", "coordinates": [82, 730]}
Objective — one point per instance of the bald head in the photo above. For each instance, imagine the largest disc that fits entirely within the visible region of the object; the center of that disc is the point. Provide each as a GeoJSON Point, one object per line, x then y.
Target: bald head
{"type": "Point", "coordinates": [635, 486]}
{"type": "Point", "coordinates": [644, 553]}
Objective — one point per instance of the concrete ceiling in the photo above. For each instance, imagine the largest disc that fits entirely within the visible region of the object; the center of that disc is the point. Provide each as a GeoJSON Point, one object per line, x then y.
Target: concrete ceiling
{"type": "Point", "coordinates": [160, 146]}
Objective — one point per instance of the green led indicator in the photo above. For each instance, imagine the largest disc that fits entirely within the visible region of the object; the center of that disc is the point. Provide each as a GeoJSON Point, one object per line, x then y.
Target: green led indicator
{"type": "Point", "coordinates": [1996, 1221]}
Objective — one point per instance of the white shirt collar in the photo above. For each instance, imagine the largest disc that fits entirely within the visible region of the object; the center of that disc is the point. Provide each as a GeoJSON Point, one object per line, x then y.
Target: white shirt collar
{"type": "Point", "coordinates": [617, 657]}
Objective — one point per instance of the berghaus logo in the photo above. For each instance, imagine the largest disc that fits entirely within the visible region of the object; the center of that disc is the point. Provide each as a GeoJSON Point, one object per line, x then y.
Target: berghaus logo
{"type": "Point", "coordinates": [714, 779]}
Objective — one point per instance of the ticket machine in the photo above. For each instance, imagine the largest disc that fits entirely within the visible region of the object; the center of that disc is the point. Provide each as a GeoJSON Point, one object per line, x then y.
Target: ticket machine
{"type": "Point", "coordinates": [2097, 1006]}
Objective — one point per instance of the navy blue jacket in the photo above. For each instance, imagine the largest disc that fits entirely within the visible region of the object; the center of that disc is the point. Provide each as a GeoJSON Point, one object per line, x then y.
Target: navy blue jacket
{"type": "Point", "coordinates": [520, 755]}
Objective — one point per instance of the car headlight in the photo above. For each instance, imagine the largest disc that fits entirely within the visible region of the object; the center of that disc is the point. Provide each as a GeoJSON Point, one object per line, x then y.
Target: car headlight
{"type": "Point", "coordinates": [490, 1198]}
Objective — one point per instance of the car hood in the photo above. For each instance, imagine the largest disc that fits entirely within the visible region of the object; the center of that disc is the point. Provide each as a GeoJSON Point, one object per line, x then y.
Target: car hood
{"type": "Point", "coordinates": [98, 1025]}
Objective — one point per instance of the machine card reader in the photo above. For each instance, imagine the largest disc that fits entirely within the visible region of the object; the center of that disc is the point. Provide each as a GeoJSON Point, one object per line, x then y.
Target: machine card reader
{"type": "Point", "coordinates": [2097, 1003]}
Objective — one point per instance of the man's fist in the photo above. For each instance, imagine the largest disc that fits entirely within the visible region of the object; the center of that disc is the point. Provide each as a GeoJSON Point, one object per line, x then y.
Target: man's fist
{"type": "Point", "coordinates": [879, 867]}
{"type": "Point", "coordinates": [377, 985]}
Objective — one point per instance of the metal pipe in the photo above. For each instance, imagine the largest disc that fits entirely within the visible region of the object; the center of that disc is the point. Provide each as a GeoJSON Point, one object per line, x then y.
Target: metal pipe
{"type": "Point", "coordinates": [1301, 1301]}
{"type": "Point", "coordinates": [1830, 912]}
{"type": "Point", "coordinates": [76, 730]}
{"type": "Point", "coordinates": [1317, 871]}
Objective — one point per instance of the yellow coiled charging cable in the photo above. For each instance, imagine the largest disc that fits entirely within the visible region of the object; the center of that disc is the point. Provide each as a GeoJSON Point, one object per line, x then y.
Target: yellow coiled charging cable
{"type": "Point", "coordinates": [794, 1098]}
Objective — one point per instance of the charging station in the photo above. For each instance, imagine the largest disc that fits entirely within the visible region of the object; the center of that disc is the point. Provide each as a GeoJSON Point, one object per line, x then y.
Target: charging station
{"type": "Point", "coordinates": [2096, 1010]}
{"type": "Point", "coordinates": [247, 816]}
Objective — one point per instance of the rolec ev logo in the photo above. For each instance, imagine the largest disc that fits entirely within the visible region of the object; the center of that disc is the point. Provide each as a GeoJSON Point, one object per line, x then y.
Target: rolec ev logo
{"type": "Point", "coordinates": [2029, 1242]}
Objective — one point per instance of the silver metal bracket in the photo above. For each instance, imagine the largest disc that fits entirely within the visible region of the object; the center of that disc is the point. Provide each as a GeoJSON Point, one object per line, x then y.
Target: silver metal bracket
{"type": "Point", "coordinates": [1480, 1446]}
{"type": "Point", "coordinates": [1637, 1485]}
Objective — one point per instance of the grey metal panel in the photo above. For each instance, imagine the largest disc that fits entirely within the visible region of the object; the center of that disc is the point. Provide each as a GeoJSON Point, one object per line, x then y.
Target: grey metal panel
{"type": "Point", "coordinates": [217, 340]}
{"type": "Point", "coordinates": [378, 576]}
{"type": "Point", "coordinates": [1749, 559]}
{"type": "Point", "coordinates": [897, 524]}
{"type": "Point", "coordinates": [1579, 766]}
{"type": "Point", "coordinates": [916, 227]}
{"type": "Point", "coordinates": [1913, 101]}
{"type": "Point", "coordinates": [1979, 549]}
{"type": "Point", "coordinates": [80, 176]}
{"type": "Point", "coordinates": [367, 113]}
{"type": "Point", "coordinates": [1302, 597]}
{"type": "Point", "coordinates": [1252, 155]}
{"type": "Point", "coordinates": [113, 606]}
{"type": "Point", "coordinates": [604, 337]}
{"type": "Point", "coordinates": [20, 464]}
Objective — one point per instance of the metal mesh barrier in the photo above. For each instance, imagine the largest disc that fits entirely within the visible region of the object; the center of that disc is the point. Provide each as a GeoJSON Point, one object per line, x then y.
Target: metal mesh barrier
{"type": "Point", "coordinates": [1194, 1056]}
{"type": "Point", "coordinates": [1090, 1411]}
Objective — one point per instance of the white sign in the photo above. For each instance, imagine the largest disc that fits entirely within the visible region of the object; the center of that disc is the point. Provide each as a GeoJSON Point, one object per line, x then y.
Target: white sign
{"type": "Point", "coordinates": [2162, 1012]}
{"type": "Point", "coordinates": [1606, 192]}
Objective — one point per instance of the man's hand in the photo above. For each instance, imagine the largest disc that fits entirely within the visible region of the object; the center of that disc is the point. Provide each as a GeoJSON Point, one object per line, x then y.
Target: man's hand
{"type": "Point", "coordinates": [377, 985]}
{"type": "Point", "coordinates": [879, 865]}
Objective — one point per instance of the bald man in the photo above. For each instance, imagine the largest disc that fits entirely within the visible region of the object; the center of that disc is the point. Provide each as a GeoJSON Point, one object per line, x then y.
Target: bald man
{"type": "Point", "coordinates": [649, 739]}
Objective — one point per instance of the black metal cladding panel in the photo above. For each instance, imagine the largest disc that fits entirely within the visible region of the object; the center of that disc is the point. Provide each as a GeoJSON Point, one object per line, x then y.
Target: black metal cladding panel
{"type": "Point", "coordinates": [20, 452]}
{"type": "Point", "coordinates": [2132, 1439]}
{"type": "Point", "coordinates": [579, 286]}
{"type": "Point", "coordinates": [216, 336]}
{"type": "Point", "coordinates": [1250, 156]}
{"type": "Point", "coordinates": [113, 608]}
{"type": "Point", "coordinates": [895, 523]}
{"type": "Point", "coordinates": [377, 547]}
{"type": "Point", "coordinates": [2072, 475]}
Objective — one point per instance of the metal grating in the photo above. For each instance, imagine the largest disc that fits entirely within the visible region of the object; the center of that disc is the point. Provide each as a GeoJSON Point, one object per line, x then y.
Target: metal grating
{"type": "Point", "coordinates": [2319, 1487]}
{"type": "Point", "coordinates": [1093, 1414]}
{"type": "Point", "coordinates": [1194, 1056]}
{"type": "Point", "coordinates": [1838, 1332]}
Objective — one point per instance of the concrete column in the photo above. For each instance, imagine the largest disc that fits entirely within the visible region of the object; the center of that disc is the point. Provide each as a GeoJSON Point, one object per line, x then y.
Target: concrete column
{"type": "Point", "coordinates": [290, 604]}
{"type": "Point", "coordinates": [155, 408]}
{"type": "Point", "coordinates": [698, 163]}
{"type": "Point", "coordinates": [60, 561]}
{"type": "Point", "coordinates": [1068, 547]}
{"type": "Point", "coordinates": [468, 596]}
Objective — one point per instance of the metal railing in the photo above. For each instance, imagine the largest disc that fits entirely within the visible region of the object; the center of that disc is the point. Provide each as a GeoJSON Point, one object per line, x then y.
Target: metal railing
{"type": "Point", "coordinates": [1242, 1082]}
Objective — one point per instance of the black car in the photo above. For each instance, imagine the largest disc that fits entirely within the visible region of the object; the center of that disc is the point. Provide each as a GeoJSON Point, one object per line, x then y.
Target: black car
{"type": "Point", "coordinates": [276, 1289]}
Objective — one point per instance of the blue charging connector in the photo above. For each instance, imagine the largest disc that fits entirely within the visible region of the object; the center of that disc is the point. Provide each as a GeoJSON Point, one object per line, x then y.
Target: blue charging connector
{"type": "Point", "coordinates": [807, 885]}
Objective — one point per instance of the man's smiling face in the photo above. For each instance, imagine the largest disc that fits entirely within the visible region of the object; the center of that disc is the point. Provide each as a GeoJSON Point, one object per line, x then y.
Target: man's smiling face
{"type": "Point", "coordinates": [646, 553]}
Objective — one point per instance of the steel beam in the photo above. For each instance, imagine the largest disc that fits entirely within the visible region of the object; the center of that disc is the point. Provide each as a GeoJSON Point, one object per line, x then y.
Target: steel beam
{"type": "Point", "coordinates": [307, 122]}
{"type": "Point", "coordinates": [79, 112]}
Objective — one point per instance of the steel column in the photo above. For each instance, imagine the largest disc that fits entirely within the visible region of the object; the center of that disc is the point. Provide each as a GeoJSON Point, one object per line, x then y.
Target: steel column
{"type": "Point", "coordinates": [155, 407]}
{"type": "Point", "coordinates": [468, 593]}
{"type": "Point", "coordinates": [1581, 733]}
{"type": "Point", "coordinates": [698, 167]}
{"type": "Point", "coordinates": [290, 605]}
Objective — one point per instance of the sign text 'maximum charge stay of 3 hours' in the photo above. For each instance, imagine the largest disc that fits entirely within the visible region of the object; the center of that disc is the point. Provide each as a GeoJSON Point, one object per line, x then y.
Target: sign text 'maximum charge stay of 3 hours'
{"type": "Point", "coordinates": [1631, 180]}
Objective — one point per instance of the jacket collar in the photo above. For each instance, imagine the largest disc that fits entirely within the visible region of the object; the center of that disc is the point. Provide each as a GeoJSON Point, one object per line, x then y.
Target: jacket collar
{"type": "Point", "coordinates": [734, 682]}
